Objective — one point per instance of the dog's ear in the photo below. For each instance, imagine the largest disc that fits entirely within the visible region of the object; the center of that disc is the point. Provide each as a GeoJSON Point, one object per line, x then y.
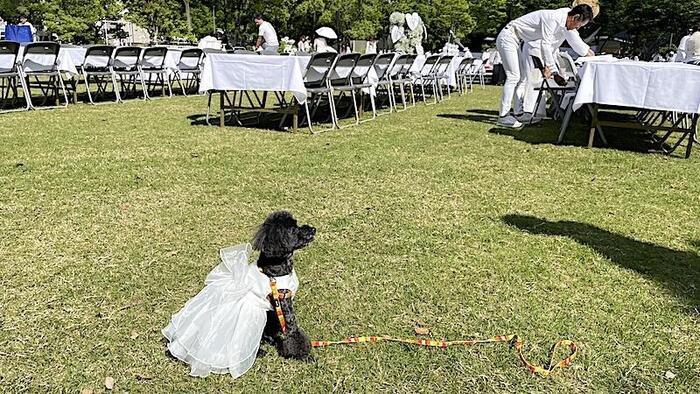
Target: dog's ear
{"type": "Point", "coordinates": [275, 237]}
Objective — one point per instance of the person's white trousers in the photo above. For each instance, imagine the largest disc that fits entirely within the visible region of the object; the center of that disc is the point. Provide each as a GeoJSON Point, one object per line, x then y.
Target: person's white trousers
{"type": "Point", "coordinates": [508, 46]}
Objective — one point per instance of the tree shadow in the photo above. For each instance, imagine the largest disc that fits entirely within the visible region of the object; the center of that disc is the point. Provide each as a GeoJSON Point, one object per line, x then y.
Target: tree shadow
{"type": "Point", "coordinates": [677, 270]}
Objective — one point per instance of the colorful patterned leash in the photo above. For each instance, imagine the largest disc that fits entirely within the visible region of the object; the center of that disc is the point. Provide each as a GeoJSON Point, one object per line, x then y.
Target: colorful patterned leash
{"type": "Point", "coordinates": [514, 340]}
{"type": "Point", "coordinates": [278, 306]}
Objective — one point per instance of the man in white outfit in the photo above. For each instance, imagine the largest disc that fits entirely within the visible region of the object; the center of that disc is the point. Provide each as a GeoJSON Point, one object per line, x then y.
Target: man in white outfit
{"type": "Point", "coordinates": [531, 78]}
{"type": "Point", "coordinates": [682, 48]}
{"type": "Point", "coordinates": [547, 26]}
{"type": "Point", "coordinates": [267, 37]}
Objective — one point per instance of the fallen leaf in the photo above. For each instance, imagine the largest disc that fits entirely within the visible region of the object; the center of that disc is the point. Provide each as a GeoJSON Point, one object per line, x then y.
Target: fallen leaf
{"type": "Point", "coordinates": [670, 375]}
{"type": "Point", "coordinates": [422, 331]}
{"type": "Point", "coordinates": [134, 335]}
{"type": "Point", "coordinates": [86, 391]}
{"type": "Point", "coordinates": [109, 383]}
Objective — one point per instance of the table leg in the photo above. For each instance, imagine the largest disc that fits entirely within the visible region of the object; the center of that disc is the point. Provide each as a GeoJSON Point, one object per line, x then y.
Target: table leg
{"type": "Point", "coordinates": [691, 136]}
{"type": "Point", "coordinates": [222, 113]}
{"type": "Point", "coordinates": [594, 124]}
{"type": "Point", "coordinates": [295, 121]}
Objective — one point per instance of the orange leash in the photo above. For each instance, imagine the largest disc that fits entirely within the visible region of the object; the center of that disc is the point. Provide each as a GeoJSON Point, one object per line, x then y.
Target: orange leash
{"type": "Point", "coordinates": [513, 340]}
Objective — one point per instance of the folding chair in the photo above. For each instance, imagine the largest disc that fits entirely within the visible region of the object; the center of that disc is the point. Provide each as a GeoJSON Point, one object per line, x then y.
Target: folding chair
{"type": "Point", "coordinates": [425, 75]}
{"type": "Point", "coordinates": [358, 83]}
{"type": "Point", "coordinates": [381, 67]}
{"type": "Point", "coordinates": [440, 74]}
{"type": "Point", "coordinates": [153, 63]}
{"type": "Point", "coordinates": [41, 62]}
{"type": "Point", "coordinates": [189, 67]}
{"type": "Point", "coordinates": [340, 79]}
{"type": "Point", "coordinates": [477, 72]}
{"type": "Point", "coordinates": [10, 74]}
{"type": "Point", "coordinates": [126, 69]}
{"type": "Point", "coordinates": [387, 76]}
{"type": "Point", "coordinates": [318, 88]}
{"type": "Point", "coordinates": [462, 75]}
{"type": "Point", "coordinates": [405, 79]}
{"type": "Point", "coordinates": [554, 90]}
{"type": "Point", "coordinates": [97, 67]}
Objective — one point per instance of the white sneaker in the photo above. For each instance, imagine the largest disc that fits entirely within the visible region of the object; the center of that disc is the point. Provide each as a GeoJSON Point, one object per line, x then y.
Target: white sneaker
{"type": "Point", "coordinates": [509, 122]}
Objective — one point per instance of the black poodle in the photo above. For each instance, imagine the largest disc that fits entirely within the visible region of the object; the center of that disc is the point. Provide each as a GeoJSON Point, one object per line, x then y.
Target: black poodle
{"type": "Point", "coordinates": [277, 239]}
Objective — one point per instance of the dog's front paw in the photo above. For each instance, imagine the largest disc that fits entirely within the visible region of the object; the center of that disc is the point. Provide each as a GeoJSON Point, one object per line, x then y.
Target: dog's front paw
{"type": "Point", "coordinates": [309, 359]}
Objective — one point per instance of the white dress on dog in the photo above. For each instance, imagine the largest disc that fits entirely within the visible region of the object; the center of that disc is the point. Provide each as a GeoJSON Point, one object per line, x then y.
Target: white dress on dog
{"type": "Point", "coordinates": [219, 329]}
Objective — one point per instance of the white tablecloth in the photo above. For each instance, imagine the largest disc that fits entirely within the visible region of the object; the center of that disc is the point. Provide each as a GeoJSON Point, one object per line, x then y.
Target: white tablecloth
{"type": "Point", "coordinates": [451, 69]}
{"type": "Point", "coordinates": [643, 85]}
{"type": "Point", "coordinates": [226, 71]}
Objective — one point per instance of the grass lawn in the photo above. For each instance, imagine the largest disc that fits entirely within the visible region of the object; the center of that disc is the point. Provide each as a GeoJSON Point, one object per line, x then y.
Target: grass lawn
{"type": "Point", "coordinates": [112, 216]}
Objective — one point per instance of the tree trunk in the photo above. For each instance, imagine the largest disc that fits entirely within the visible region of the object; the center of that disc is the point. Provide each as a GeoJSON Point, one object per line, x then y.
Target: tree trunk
{"type": "Point", "coordinates": [188, 15]}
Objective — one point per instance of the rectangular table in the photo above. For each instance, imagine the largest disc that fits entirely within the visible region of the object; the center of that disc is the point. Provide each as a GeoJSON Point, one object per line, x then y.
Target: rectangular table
{"type": "Point", "coordinates": [666, 97]}
{"type": "Point", "coordinates": [224, 72]}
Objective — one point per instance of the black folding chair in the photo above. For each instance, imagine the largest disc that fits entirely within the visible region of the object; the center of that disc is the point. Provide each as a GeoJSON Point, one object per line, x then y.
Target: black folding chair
{"type": "Point", "coordinates": [189, 70]}
{"type": "Point", "coordinates": [126, 69]}
{"type": "Point", "coordinates": [10, 77]}
{"type": "Point", "coordinates": [404, 79]}
{"type": "Point", "coordinates": [340, 80]}
{"type": "Point", "coordinates": [97, 67]}
{"type": "Point", "coordinates": [41, 62]}
{"type": "Point", "coordinates": [462, 75]}
{"type": "Point", "coordinates": [553, 90]}
{"type": "Point", "coordinates": [153, 64]}
{"type": "Point", "coordinates": [425, 76]}
{"type": "Point", "coordinates": [359, 82]}
{"type": "Point", "coordinates": [318, 88]}
{"type": "Point", "coordinates": [382, 66]}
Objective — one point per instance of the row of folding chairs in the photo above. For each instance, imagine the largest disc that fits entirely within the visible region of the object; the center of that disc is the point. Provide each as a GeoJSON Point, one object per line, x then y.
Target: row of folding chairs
{"type": "Point", "coordinates": [125, 69]}
{"type": "Point", "coordinates": [330, 77]}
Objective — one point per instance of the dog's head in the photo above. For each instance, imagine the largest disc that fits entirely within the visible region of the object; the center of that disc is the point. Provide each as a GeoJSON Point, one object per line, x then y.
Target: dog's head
{"type": "Point", "coordinates": [280, 235]}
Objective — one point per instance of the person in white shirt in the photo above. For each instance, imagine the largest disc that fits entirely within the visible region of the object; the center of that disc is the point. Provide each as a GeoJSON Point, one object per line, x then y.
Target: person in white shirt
{"type": "Point", "coordinates": [682, 48]}
{"type": "Point", "coordinates": [693, 49]}
{"type": "Point", "coordinates": [547, 26]}
{"type": "Point", "coordinates": [23, 21]}
{"type": "Point", "coordinates": [531, 78]}
{"type": "Point", "coordinates": [267, 42]}
{"type": "Point", "coordinates": [321, 45]}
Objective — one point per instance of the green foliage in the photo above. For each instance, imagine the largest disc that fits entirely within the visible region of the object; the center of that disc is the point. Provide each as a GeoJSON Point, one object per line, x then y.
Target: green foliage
{"type": "Point", "coordinates": [653, 23]}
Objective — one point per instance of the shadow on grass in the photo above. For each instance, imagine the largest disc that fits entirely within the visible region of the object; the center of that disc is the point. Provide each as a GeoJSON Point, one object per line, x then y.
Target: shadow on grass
{"type": "Point", "coordinates": [253, 120]}
{"type": "Point", "coordinates": [547, 132]}
{"type": "Point", "coordinates": [677, 270]}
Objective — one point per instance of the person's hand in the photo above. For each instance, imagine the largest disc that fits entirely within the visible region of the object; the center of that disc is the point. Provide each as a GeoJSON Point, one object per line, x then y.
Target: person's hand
{"type": "Point", "coordinates": [547, 72]}
{"type": "Point", "coordinates": [590, 53]}
{"type": "Point", "coordinates": [561, 81]}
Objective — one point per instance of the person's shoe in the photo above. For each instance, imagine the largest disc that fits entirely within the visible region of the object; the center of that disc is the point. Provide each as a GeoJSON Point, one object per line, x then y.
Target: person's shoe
{"type": "Point", "coordinates": [527, 118]}
{"type": "Point", "coordinates": [509, 122]}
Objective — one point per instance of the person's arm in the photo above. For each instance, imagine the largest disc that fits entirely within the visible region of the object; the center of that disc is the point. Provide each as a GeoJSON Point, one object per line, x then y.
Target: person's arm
{"type": "Point", "coordinates": [260, 40]}
{"type": "Point", "coordinates": [577, 44]}
{"type": "Point", "coordinates": [549, 27]}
